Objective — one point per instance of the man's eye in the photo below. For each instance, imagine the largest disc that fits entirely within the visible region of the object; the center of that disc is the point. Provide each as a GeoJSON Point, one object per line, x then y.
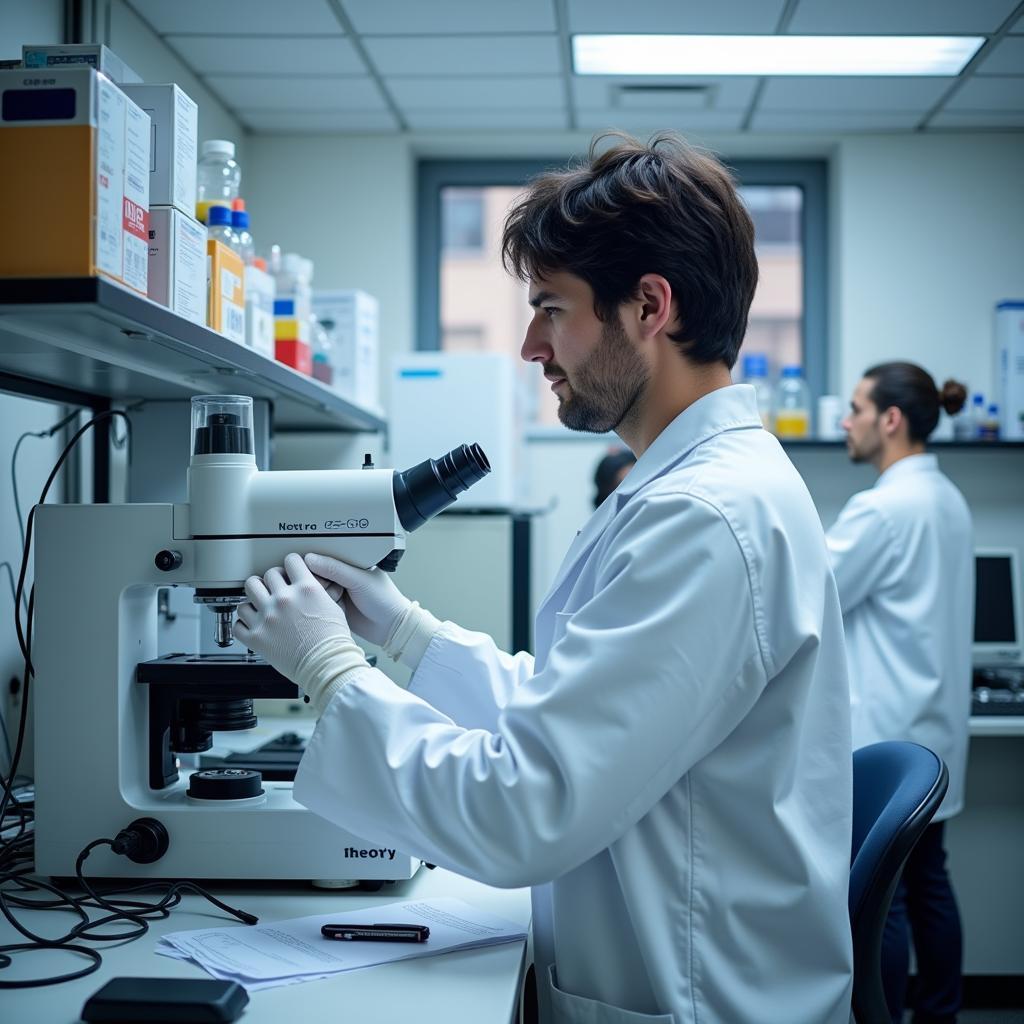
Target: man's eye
{"type": "Point", "coordinates": [550, 311]}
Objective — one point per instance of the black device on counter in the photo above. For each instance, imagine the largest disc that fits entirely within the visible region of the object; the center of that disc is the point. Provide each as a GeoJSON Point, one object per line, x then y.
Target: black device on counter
{"type": "Point", "coordinates": [166, 1001]}
{"type": "Point", "coordinates": [376, 932]}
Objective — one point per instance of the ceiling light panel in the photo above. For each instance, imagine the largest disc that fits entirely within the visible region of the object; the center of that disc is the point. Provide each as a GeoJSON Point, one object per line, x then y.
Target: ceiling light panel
{"type": "Point", "coordinates": [920, 17]}
{"type": "Point", "coordinates": [238, 17]}
{"type": "Point", "coordinates": [673, 16]}
{"type": "Point", "coordinates": [772, 55]}
{"type": "Point", "coordinates": [282, 55]}
{"type": "Point", "coordinates": [301, 94]}
{"type": "Point", "coordinates": [464, 55]}
{"type": "Point", "coordinates": [449, 17]}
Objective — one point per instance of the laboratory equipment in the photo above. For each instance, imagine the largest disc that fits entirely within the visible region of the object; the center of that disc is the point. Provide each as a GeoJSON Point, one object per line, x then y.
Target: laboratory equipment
{"type": "Point", "coordinates": [830, 418]}
{"type": "Point", "coordinates": [217, 176]}
{"type": "Point", "coordinates": [111, 718]}
{"type": "Point", "coordinates": [997, 607]}
{"type": "Point", "coordinates": [1009, 364]}
{"type": "Point", "coordinates": [792, 404]}
{"type": "Point", "coordinates": [755, 373]}
{"type": "Point", "coordinates": [218, 223]}
{"type": "Point", "coordinates": [240, 225]}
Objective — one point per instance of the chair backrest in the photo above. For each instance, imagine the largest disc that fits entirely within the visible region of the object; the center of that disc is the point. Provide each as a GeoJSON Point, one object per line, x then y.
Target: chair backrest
{"type": "Point", "coordinates": [897, 788]}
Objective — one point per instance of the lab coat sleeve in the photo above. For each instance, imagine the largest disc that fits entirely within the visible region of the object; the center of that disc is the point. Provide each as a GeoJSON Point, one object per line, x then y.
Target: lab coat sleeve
{"type": "Point", "coordinates": [860, 548]}
{"type": "Point", "coordinates": [466, 676]}
{"type": "Point", "coordinates": [641, 682]}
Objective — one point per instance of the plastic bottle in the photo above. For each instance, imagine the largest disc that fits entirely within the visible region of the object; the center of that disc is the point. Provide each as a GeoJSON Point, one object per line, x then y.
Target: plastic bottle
{"type": "Point", "coordinates": [792, 404]}
{"type": "Point", "coordinates": [246, 245]}
{"type": "Point", "coordinates": [219, 226]}
{"type": "Point", "coordinates": [755, 373]}
{"type": "Point", "coordinates": [977, 414]}
{"type": "Point", "coordinates": [989, 426]}
{"type": "Point", "coordinates": [217, 176]}
{"type": "Point", "coordinates": [323, 354]}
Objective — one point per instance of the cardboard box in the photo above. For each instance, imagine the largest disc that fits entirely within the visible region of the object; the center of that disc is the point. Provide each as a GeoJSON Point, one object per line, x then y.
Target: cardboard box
{"type": "Point", "coordinates": [355, 341]}
{"type": "Point", "coordinates": [177, 263]}
{"type": "Point", "coordinates": [1010, 369]}
{"type": "Point", "coordinates": [259, 311]}
{"type": "Point", "coordinates": [226, 277]}
{"type": "Point", "coordinates": [75, 195]}
{"type": "Point", "coordinates": [102, 58]}
{"type": "Point", "coordinates": [174, 130]}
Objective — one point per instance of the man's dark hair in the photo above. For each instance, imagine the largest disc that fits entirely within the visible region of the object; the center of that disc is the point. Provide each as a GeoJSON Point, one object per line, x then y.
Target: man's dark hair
{"type": "Point", "coordinates": [661, 208]}
{"type": "Point", "coordinates": [912, 390]}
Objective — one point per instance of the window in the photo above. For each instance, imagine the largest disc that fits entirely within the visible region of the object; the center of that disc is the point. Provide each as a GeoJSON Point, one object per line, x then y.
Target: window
{"type": "Point", "coordinates": [468, 303]}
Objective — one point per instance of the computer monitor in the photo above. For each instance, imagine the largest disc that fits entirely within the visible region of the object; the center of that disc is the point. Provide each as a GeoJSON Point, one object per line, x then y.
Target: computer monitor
{"type": "Point", "coordinates": [997, 607]}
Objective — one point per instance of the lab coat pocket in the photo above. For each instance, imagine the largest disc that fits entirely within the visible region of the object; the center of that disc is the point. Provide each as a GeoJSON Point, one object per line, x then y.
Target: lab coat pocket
{"type": "Point", "coordinates": [570, 1009]}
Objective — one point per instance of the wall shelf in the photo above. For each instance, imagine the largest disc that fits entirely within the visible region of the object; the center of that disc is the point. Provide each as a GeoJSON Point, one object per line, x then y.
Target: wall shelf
{"type": "Point", "coordinates": [90, 336]}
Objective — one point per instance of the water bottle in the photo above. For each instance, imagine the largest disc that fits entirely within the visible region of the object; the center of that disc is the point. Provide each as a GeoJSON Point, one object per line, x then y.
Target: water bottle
{"type": "Point", "coordinates": [246, 245]}
{"type": "Point", "coordinates": [792, 404]}
{"type": "Point", "coordinates": [977, 415]}
{"type": "Point", "coordinates": [219, 226]}
{"type": "Point", "coordinates": [755, 373]}
{"type": "Point", "coordinates": [989, 427]}
{"type": "Point", "coordinates": [217, 176]}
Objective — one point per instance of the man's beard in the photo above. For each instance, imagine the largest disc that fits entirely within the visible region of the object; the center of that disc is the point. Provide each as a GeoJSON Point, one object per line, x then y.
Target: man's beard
{"type": "Point", "coordinates": [604, 390]}
{"type": "Point", "coordinates": [866, 451]}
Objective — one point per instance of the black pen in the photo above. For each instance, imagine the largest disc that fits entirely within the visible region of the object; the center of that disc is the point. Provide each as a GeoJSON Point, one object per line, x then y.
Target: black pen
{"type": "Point", "coordinates": [376, 932]}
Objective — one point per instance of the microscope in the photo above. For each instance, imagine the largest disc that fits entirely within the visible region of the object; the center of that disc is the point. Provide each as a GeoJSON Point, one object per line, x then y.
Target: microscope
{"type": "Point", "coordinates": [111, 717]}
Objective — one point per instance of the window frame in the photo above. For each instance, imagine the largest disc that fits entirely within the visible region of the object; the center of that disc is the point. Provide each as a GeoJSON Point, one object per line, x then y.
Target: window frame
{"type": "Point", "coordinates": [810, 176]}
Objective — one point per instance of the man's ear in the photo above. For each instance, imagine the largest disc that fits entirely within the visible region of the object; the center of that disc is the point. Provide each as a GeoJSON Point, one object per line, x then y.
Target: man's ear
{"type": "Point", "coordinates": [654, 304]}
{"type": "Point", "coordinates": [892, 420]}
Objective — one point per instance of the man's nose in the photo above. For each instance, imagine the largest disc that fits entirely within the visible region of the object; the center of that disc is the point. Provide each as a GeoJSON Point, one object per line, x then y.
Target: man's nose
{"type": "Point", "coordinates": [535, 348]}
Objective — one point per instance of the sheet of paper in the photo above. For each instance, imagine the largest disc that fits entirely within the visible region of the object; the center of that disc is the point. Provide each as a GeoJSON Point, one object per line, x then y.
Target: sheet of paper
{"type": "Point", "coordinates": [286, 952]}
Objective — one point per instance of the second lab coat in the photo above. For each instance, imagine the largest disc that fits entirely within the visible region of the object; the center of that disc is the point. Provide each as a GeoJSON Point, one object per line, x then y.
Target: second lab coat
{"type": "Point", "coordinates": [675, 762]}
{"type": "Point", "coordinates": [903, 557]}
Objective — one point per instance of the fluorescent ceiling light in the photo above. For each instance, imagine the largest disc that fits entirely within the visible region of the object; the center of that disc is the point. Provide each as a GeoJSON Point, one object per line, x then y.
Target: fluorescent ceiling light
{"type": "Point", "coordinates": [772, 55]}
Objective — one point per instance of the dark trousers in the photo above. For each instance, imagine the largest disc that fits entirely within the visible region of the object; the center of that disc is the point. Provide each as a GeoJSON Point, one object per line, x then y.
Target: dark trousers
{"type": "Point", "coordinates": [924, 908]}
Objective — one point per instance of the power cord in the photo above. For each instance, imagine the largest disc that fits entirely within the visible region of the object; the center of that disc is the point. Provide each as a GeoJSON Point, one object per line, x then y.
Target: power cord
{"type": "Point", "coordinates": [143, 841]}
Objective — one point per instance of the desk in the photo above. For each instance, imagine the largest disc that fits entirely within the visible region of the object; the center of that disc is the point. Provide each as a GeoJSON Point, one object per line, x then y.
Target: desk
{"type": "Point", "coordinates": [477, 986]}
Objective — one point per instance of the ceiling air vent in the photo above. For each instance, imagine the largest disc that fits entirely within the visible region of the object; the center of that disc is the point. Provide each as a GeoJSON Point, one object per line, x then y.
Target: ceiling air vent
{"type": "Point", "coordinates": [662, 97]}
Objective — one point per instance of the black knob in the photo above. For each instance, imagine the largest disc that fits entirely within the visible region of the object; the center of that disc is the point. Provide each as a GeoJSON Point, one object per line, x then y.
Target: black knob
{"type": "Point", "coordinates": [166, 561]}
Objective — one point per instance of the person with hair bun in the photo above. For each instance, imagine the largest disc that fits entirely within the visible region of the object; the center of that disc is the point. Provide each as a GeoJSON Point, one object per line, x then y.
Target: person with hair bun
{"type": "Point", "coordinates": [903, 561]}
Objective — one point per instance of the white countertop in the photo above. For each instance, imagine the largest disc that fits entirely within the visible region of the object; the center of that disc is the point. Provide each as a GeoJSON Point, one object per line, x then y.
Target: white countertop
{"type": "Point", "coordinates": [477, 986]}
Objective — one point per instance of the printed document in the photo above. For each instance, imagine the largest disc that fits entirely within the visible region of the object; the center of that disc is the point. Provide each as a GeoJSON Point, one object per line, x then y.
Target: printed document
{"type": "Point", "coordinates": [286, 952]}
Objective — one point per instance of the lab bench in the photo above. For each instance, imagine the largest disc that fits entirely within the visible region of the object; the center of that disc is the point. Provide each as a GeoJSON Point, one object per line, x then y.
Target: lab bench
{"type": "Point", "coordinates": [466, 987]}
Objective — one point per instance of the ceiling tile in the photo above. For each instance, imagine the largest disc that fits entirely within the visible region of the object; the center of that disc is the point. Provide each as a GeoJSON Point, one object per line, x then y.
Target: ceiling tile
{"type": "Point", "coordinates": [309, 55]}
{"type": "Point", "coordinates": [988, 93]}
{"type": "Point", "coordinates": [465, 55]}
{"type": "Point", "coordinates": [1006, 58]}
{"type": "Point", "coordinates": [299, 94]}
{"type": "Point", "coordinates": [883, 17]}
{"type": "Point", "coordinates": [728, 92]}
{"type": "Point", "coordinates": [326, 122]}
{"type": "Point", "coordinates": [647, 121]}
{"type": "Point", "coordinates": [834, 122]}
{"type": "Point", "coordinates": [977, 119]}
{"type": "Point", "coordinates": [1018, 26]}
{"type": "Point", "coordinates": [508, 93]}
{"type": "Point", "coordinates": [731, 16]}
{"type": "Point", "coordinates": [449, 17]}
{"type": "Point", "coordinates": [450, 120]}
{"type": "Point", "coordinates": [901, 94]}
{"type": "Point", "coordinates": [238, 17]}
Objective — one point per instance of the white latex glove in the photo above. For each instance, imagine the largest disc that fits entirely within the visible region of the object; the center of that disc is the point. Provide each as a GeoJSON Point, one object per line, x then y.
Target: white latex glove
{"type": "Point", "coordinates": [293, 622]}
{"type": "Point", "coordinates": [377, 610]}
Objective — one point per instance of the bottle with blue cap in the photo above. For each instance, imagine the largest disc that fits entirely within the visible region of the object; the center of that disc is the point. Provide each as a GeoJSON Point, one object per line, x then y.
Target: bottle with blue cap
{"type": "Point", "coordinates": [755, 373]}
{"type": "Point", "coordinates": [218, 224]}
{"type": "Point", "coordinates": [792, 404]}
{"type": "Point", "coordinates": [240, 224]}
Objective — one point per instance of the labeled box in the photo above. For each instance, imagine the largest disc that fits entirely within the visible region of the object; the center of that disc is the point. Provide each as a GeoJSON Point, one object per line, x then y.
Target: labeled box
{"type": "Point", "coordinates": [75, 195]}
{"type": "Point", "coordinates": [351, 319]}
{"type": "Point", "coordinates": [226, 279]}
{"type": "Point", "coordinates": [1009, 332]}
{"type": "Point", "coordinates": [70, 55]}
{"type": "Point", "coordinates": [177, 263]}
{"type": "Point", "coordinates": [174, 130]}
{"type": "Point", "coordinates": [259, 311]}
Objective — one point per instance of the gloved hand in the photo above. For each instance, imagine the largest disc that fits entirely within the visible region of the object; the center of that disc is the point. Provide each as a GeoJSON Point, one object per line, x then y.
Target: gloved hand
{"type": "Point", "coordinates": [292, 621]}
{"type": "Point", "coordinates": [377, 609]}
{"type": "Point", "coordinates": [373, 604]}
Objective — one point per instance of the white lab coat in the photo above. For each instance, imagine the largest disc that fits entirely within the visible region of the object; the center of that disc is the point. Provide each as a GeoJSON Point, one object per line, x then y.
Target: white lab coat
{"type": "Point", "coordinates": [903, 557]}
{"type": "Point", "coordinates": [676, 762]}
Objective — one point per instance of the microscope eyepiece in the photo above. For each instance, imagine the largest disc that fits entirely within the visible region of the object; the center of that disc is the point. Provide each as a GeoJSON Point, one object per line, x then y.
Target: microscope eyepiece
{"type": "Point", "coordinates": [429, 488]}
{"type": "Point", "coordinates": [222, 425]}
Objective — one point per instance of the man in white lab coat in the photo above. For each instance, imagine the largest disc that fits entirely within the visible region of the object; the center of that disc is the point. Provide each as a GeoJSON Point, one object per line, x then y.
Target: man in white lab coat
{"type": "Point", "coordinates": [671, 773]}
{"type": "Point", "coordinates": [902, 555]}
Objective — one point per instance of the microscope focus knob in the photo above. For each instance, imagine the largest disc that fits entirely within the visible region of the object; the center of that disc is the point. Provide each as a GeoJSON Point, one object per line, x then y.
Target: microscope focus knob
{"type": "Point", "coordinates": [167, 561]}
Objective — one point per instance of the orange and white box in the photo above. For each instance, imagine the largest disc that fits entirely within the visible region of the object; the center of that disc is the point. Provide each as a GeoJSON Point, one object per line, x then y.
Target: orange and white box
{"type": "Point", "coordinates": [226, 311]}
{"type": "Point", "coordinates": [75, 196]}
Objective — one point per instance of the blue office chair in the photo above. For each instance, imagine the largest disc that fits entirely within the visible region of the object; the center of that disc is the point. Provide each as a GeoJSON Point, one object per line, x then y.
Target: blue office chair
{"type": "Point", "coordinates": [897, 788]}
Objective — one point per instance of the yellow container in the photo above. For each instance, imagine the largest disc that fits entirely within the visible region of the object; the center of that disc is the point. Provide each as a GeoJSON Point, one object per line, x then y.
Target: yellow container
{"type": "Point", "coordinates": [226, 306]}
{"type": "Point", "coordinates": [793, 423]}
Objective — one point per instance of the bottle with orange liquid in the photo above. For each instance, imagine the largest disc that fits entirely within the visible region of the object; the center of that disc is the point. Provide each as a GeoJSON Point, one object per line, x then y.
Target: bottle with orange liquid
{"type": "Point", "coordinates": [792, 404]}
